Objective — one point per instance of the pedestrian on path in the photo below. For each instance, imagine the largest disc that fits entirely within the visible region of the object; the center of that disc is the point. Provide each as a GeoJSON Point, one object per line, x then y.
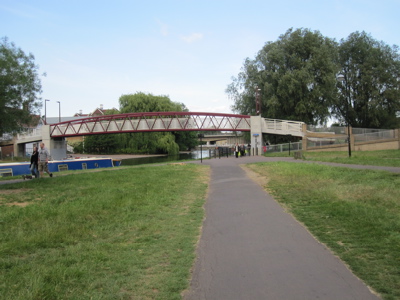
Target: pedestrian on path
{"type": "Point", "coordinates": [236, 150]}
{"type": "Point", "coordinates": [242, 150]}
{"type": "Point", "coordinates": [34, 162]}
{"type": "Point", "coordinates": [44, 156]}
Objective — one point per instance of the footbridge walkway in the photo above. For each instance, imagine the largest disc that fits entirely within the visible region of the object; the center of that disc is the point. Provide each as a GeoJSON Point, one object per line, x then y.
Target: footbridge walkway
{"type": "Point", "coordinates": [54, 135]}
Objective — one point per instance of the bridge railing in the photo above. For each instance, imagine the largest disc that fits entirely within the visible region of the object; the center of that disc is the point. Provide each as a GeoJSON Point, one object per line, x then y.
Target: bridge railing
{"type": "Point", "coordinates": [283, 127]}
{"type": "Point", "coordinates": [6, 137]}
{"type": "Point", "coordinates": [30, 133]}
{"type": "Point", "coordinates": [141, 122]}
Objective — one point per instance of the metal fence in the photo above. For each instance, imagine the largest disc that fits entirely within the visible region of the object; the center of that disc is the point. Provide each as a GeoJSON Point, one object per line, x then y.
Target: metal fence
{"type": "Point", "coordinates": [332, 129]}
{"type": "Point", "coordinates": [283, 147]}
{"type": "Point", "coordinates": [360, 135]}
{"type": "Point", "coordinates": [377, 135]}
{"type": "Point", "coordinates": [321, 142]}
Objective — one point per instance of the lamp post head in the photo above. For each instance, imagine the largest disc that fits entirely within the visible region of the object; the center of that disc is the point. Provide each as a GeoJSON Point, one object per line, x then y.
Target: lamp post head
{"type": "Point", "coordinates": [340, 78]}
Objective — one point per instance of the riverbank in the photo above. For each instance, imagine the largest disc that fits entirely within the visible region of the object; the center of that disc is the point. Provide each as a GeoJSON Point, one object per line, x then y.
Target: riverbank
{"type": "Point", "coordinates": [117, 156]}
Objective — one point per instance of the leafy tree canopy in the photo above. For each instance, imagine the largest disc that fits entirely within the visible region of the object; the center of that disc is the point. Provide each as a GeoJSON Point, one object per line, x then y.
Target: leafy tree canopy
{"type": "Point", "coordinates": [19, 87]}
{"type": "Point", "coordinates": [142, 142]}
{"type": "Point", "coordinates": [141, 102]}
{"type": "Point", "coordinates": [370, 93]}
{"type": "Point", "coordinates": [100, 144]}
{"type": "Point", "coordinates": [155, 142]}
{"type": "Point", "coordinates": [297, 78]}
{"type": "Point", "coordinates": [295, 75]}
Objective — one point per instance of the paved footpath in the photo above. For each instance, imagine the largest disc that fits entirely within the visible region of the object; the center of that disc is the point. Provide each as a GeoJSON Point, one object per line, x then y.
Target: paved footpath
{"type": "Point", "coordinates": [251, 249]}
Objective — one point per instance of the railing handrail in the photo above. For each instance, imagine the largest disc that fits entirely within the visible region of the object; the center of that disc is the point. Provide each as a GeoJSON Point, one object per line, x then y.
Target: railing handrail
{"type": "Point", "coordinates": [32, 132]}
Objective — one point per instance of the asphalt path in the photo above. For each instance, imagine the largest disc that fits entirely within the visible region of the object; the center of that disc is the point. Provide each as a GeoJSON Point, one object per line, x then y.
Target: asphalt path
{"type": "Point", "coordinates": [250, 248]}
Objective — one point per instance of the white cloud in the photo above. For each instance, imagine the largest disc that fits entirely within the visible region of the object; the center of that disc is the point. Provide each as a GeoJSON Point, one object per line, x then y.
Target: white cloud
{"type": "Point", "coordinates": [163, 28]}
{"type": "Point", "coordinates": [192, 37]}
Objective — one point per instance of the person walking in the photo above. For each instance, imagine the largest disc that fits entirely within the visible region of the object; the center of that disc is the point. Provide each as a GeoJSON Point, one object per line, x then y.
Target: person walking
{"type": "Point", "coordinates": [34, 162]}
{"type": "Point", "coordinates": [44, 156]}
{"type": "Point", "coordinates": [242, 150]}
{"type": "Point", "coordinates": [236, 150]}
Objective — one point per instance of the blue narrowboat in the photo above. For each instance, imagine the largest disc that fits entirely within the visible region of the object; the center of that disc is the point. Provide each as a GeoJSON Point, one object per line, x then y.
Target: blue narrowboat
{"type": "Point", "coordinates": [22, 168]}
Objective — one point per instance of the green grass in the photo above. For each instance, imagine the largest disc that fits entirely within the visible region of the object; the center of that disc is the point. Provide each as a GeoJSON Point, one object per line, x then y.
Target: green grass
{"type": "Point", "coordinates": [356, 213]}
{"type": "Point", "coordinates": [387, 158]}
{"type": "Point", "coordinates": [9, 178]}
{"type": "Point", "coordinates": [15, 159]}
{"type": "Point", "coordinates": [124, 234]}
{"type": "Point", "coordinates": [279, 154]}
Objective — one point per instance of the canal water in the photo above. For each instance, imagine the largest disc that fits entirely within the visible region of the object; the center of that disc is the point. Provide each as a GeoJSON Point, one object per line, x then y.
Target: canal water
{"type": "Point", "coordinates": [167, 158]}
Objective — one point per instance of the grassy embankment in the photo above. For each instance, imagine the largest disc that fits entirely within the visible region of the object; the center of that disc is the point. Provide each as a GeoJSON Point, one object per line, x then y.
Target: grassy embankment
{"type": "Point", "coordinates": [123, 234]}
{"type": "Point", "coordinates": [388, 158]}
{"type": "Point", "coordinates": [356, 213]}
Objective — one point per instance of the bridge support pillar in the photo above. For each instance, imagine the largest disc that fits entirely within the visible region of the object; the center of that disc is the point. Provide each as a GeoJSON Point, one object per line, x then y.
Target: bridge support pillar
{"type": "Point", "coordinates": [256, 135]}
{"type": "Point", "coordinates": [19, 150]}
{"type": "Point", "coordinates": [398, 136]}
{"type": "Point", "coordinates": [304, 138]}
{"type": "Point", "coordinates": [57, 147]}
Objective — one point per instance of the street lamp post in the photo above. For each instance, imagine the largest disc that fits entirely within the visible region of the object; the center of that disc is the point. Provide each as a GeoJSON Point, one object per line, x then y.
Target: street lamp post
{"type": "Point", "coordinates": [258, 102]}
{"type": "Point", "coordinates": [59, 111]}
{"type": "Point", "coordinates": [290, 140]}
{"type": "Point", "coordinates": [201, 135]}
{"type": "Point", "coordinates": [45, 112]}
{"type": "Point", "coordinates": [341, 78]}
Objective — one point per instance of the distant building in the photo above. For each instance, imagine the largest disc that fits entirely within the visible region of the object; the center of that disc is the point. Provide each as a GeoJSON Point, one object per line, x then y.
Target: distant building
{"type": "Point", "coordinates": [100, 111]}
{"type": "Point", "coordinates": [80, 114]}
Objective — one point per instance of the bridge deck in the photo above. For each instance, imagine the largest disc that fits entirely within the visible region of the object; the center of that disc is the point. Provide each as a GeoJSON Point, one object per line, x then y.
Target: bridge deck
{"type": "Point", "coordinates": [163, 121]}
{"type": "Point", "coordinates": [148, 122]}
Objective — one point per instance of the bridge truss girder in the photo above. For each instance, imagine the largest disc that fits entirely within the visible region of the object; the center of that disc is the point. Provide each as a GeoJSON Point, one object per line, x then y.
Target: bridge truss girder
{"type": "Point", "coordinates": [151, 122]}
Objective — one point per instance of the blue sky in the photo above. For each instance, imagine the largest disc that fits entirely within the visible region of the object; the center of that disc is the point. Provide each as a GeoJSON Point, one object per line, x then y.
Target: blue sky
{"type": "Point", "coordinates": [95, 51]}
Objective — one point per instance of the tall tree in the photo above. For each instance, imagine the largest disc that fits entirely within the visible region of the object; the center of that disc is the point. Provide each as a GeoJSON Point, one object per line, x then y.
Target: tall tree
{"type": "Point", "coordinates": [295, 75]}
{"type": "Point", "coordinates": [370, 93]}
{"type": "Point", "coordinates": [19, 87]}
{"type": "Point", "coordinates": [141, 102]}
{"type": "Point", "coordinates": [186, 140]}
{"type": "Point", "coordinates": [101, 144]}
{"type": "Point", "coordinates": [155, 142]}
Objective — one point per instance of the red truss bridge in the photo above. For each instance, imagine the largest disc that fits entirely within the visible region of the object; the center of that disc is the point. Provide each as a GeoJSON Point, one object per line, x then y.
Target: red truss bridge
{"type": "Point", "coordinates": [150, 122]}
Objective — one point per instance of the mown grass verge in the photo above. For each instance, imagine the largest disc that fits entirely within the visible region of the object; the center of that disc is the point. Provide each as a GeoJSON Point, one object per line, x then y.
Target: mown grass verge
{"type": "Point", "coordinates": [356, 213]}
{"type": "Point", "coordinates": [387, 158]}
{"type": "Point", "coordinates": [126, 234]}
